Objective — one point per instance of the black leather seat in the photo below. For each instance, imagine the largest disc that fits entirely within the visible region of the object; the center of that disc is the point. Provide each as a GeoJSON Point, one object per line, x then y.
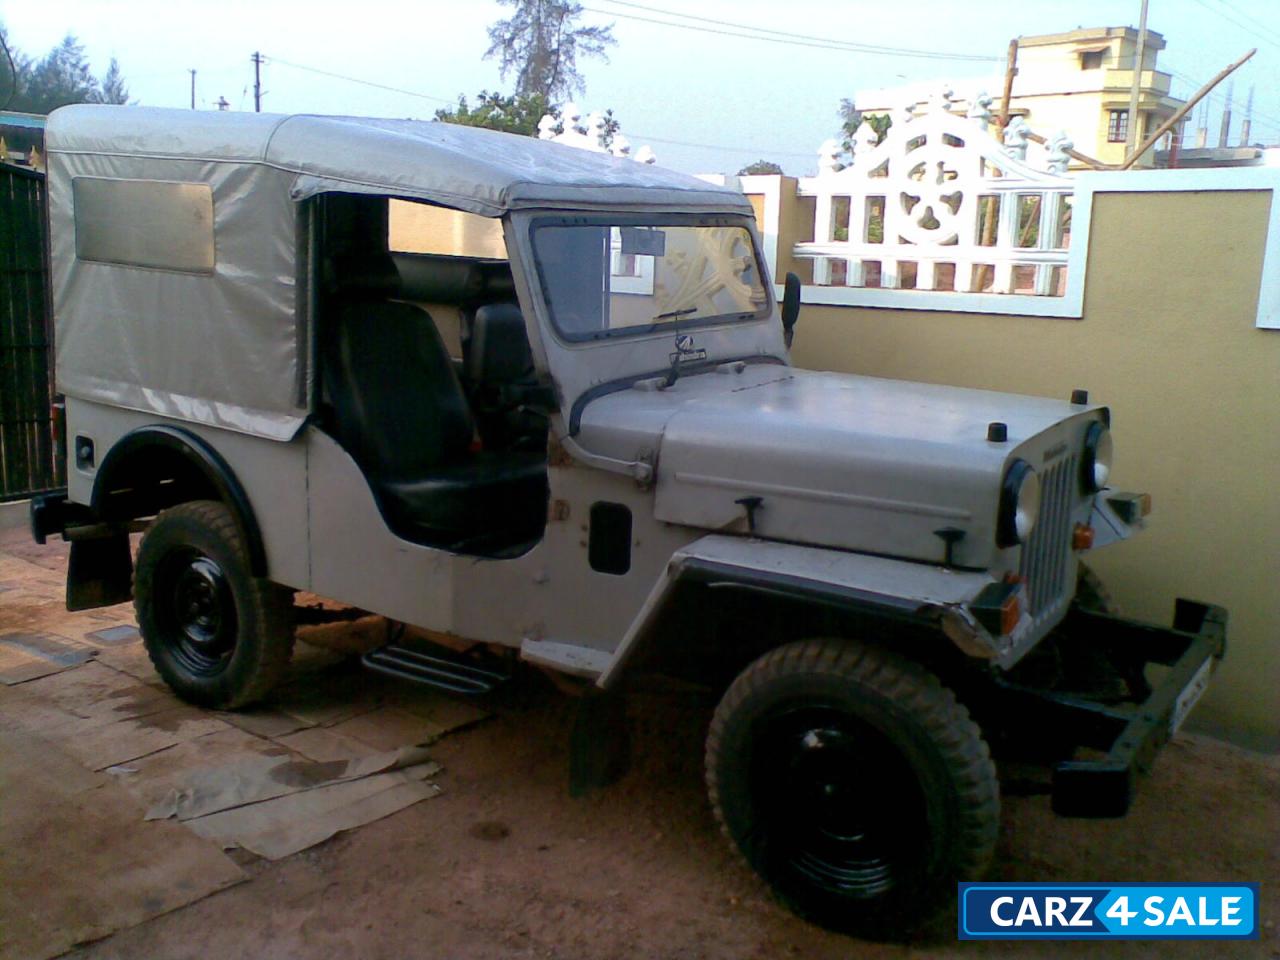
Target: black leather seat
{"type": "Point", "coordinates": [400, 412]}
{"type": "Point", "coordinates": [500, 377]}
{"type": "Point", "coordinates": [497, 349]}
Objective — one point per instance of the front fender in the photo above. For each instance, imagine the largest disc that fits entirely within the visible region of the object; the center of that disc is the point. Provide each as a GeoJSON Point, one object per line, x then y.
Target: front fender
{"type": "Point", "coordinates": [890, 589]}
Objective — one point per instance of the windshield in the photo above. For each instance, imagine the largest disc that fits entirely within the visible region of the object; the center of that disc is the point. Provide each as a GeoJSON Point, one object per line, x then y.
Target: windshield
{"type": "Point", "coordinates": [615, 279]}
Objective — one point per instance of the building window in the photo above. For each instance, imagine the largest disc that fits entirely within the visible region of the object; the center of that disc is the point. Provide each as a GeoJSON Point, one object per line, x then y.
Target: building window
{"type": "Point", "coordinates": [1091, 60]}
{"type": "Point", "coordinates": [1118, 126]}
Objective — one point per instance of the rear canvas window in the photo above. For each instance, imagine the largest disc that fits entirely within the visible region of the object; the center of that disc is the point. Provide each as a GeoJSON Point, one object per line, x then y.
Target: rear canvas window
{"type": "Point", "coordinates": [145, 223]}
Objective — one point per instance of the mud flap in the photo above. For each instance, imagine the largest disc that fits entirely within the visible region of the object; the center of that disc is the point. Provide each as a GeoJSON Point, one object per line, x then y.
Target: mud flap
{"type": "Point", "coordinates": [600, 745]}
{"type": "Point", "coordinates": [100, 572]}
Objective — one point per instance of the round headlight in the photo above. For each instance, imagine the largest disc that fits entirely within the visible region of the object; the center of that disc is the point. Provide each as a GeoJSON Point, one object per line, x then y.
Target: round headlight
{"type": "Point", "coordinates": [1096, 462]}
{"type": "Point", "coordinates": [1019, 504]}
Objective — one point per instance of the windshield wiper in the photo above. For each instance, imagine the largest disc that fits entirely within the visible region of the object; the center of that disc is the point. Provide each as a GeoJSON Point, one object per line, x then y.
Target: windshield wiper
{"type": "Point", "coordinates": [676, 313]}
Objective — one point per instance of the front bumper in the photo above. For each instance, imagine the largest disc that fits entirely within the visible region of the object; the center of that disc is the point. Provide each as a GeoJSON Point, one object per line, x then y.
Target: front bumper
{"type": "Point", "coordinates": [1121, 735]}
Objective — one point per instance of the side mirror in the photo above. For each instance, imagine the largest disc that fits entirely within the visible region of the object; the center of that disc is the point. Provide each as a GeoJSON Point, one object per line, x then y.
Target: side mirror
{"type": "Point", "coordinates": [790, 308]}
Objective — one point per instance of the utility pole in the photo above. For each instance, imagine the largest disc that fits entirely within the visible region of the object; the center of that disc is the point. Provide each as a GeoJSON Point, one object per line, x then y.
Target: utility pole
{"type": "Point", "coordinates": [1131, 139]}
{"type": "Point", "coordinates": [1246, 129]}
{"type": "Point", "coordinates": [193, 88]}
{"type": "Point", "coordinates": [1224, 132]}
{"type": "Point", "coordinates": [257, 81]}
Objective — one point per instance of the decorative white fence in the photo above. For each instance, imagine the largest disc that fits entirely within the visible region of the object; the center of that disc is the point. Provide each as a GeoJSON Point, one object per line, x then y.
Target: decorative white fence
{"type": "Point", "coordinates": [941, 205]}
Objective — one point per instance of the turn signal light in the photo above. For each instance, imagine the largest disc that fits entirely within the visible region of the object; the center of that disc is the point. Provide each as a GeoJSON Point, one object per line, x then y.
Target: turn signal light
{"type": "Point", "coordinates": [997, 608]}
{"type": "Point", "coordinates": [1082, 537]}
{"type": "Point", "coordinates": [1130, 507]}
{"type": "Point", "coordinates": [1010, 614]}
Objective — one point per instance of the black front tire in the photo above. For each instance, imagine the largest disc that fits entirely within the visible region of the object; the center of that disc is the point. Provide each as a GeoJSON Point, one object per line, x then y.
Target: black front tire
{"type": "Point", "coordinates": [854, 783]}
{"type": "Point", "coordinates": [218, 636]}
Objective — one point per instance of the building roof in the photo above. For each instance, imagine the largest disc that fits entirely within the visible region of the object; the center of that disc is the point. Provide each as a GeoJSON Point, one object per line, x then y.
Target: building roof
{"type": "Point", "coordinates": [1094, 35]}
{"type": "Point", "coordinates": [473, 169]}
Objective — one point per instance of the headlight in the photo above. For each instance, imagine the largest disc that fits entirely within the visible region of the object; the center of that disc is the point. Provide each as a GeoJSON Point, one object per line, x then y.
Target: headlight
{"type": "Point", "coordinates": [1096, 462]}
{"type": "Point", "coordinates": [1019, 504]}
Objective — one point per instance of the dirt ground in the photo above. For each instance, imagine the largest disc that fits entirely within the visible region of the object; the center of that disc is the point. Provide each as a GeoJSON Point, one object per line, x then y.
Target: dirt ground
{"type": "Point", "coordinates": [505, 864]}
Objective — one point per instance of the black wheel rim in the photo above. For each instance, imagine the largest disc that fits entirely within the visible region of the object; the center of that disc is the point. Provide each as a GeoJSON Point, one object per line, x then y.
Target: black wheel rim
{"type": "Point", "coordinates": [840, 807]}
{"type": "Point", "coordinates": [196, 612]}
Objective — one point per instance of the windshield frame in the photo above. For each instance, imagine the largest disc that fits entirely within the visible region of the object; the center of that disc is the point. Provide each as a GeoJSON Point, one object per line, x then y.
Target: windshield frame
{"type": "Point", "coordinates": [670, 326]}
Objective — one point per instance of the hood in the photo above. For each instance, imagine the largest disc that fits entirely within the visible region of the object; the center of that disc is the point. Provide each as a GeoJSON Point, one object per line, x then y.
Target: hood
{"type": "Point", "coordinates": [852, 462]}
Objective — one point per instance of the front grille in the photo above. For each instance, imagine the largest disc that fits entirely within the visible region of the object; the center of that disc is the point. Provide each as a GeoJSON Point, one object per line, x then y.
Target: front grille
{"type": "Point", "coordinates": [1046, 556]}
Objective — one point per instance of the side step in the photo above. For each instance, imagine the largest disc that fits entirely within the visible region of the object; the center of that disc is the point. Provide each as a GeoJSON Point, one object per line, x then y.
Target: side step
{"type": "Point", "coordinates": [436, 666]}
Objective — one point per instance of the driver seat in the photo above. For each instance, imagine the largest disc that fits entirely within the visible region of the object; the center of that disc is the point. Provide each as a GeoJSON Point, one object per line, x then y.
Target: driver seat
{"type": "Point", "coordinates": [400, 412]}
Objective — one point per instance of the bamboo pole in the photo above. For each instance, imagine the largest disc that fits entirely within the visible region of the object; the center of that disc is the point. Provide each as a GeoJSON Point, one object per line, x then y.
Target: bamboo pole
{"type": "Point", "coordinates": [1185, 109]}
{"type": "Point", "coordinates": [989, 226]}
{"type": "Point", "coordinates": [1073, 154]}
{"type": "Point", "coordinates": [1010, 71]}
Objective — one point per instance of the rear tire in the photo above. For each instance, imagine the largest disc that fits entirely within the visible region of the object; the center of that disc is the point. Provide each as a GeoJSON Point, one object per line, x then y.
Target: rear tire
{"type": "Point", "coordinates": [854, 783]}
{"type": "Point", "coordinates": [218, 636]}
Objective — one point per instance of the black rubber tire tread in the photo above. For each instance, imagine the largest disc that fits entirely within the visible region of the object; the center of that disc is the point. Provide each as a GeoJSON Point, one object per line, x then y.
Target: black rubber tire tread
{"type": "Point", "coordinates": [918, 698]}
{"type": "Point", "coordinates": [1092, 594]}
{"type": "Point", "coordinates": [264, 609]}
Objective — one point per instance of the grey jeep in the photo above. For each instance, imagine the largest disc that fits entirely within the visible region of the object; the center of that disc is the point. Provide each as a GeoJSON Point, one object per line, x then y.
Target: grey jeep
{"type": "Point", "coordinates": [536, 404]}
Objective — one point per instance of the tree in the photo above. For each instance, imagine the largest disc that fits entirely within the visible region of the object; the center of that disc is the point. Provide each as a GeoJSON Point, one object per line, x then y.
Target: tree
{"type": "Point", "coordinates": [61, 77]}
{"type": "Point", "coordinates": [13, 65]}
{"type": "Point", "coordinates": [112, 88]}
{"type": "Point", "coordinates": [541, 42]}
{"type": "Point", "coordinates": [760, 167]}
{"type": "Point", "coordinates": [852, 119]}
{"type": "Point", "coordinates": [518, 113]}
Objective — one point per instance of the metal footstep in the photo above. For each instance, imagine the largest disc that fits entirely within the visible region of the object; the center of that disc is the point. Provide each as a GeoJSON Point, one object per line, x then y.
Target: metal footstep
{"type": "Point", "coordinates": [436, 666]}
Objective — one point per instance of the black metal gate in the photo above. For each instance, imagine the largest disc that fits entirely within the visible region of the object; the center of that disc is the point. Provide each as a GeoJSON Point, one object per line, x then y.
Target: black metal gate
{"type": "Point", "coordinates": [29, 460]}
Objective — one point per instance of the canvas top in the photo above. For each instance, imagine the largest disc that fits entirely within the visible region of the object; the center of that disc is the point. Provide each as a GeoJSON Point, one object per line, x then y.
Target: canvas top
{"type": "Point", "coordinates": [470, 168]}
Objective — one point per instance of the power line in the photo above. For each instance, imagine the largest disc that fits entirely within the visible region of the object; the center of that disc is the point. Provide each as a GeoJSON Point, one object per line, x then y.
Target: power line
{"type": "Point", "coordinates": [779, 36]}
{"type": "Point", "coordinates": [349, 79]}
{"type": "Point", "coordinates": [1257, 25]}
{"type": "Point", "coordinates": [638, 136]}
{"type": "Point", "coordinates": [773, 32]}
{"type": "Point", "coordinates": [1252, 31]}
{"type": "Point", "coordinates": [13, 74]}
{"type": "Point", "coordinates": [714, 146]}
{"type": "Point", "coordinates": [1269, 121]}
{"type": "Point", "coordinates": [1257, 30]}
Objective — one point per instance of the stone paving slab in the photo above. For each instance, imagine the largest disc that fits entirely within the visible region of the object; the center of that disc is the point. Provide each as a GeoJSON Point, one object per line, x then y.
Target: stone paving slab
{"type": "Point", "coordinates": [82, 685]}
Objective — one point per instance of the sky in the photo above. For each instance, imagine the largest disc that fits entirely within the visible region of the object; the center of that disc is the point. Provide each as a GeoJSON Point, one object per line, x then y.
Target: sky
{"type": "Point", "coordinates": [704, 100]}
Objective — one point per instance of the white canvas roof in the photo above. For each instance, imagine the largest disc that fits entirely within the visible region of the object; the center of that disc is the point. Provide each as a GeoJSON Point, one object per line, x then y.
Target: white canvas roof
{"type": "Point", "coordinates": [174, 239]}
{"type": "Point", "coordinates": [480, 171]}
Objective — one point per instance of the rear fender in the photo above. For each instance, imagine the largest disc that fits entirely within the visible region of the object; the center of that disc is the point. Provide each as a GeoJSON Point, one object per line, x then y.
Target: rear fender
{"type": "Point", "coordinates": [212, 478]}
{"type": "Point", "coordinates": [100, 570]}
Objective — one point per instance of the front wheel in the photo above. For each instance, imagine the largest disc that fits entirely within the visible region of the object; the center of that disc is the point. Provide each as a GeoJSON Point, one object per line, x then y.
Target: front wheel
{"type": "Point", "coordinates": [853, 782]}
{"type": "Point", "coordinates": [218, 636]}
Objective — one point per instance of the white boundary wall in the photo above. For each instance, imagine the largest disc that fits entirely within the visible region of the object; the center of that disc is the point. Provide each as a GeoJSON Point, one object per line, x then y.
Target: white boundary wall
{"type": "Point", "coordinates": [1071, 306]}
